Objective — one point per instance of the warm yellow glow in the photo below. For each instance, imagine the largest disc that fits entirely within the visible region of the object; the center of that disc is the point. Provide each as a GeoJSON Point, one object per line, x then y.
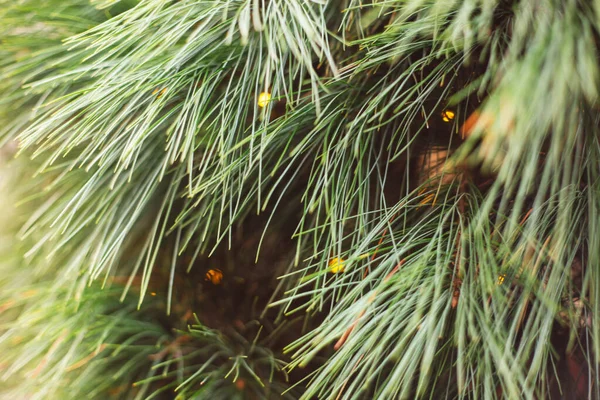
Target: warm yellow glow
{"type": "Point", "coordinates": [501, 279]}
{"type": "Point", "coordinates": [263, 99]}
{"type": "Point", "coordinates": [160, 92]}
{"type": "Point", "coordinates": [215, 276]}
{"type": "Point", "coordinates": [448, 115]}
{"type": "Point", "coordinates": [336, 265]}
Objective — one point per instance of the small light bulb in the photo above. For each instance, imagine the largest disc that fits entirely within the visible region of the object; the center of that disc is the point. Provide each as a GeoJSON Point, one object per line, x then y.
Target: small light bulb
{"type": "Point", "coordinates": [215, 276]}
{"type": "Point", "coordinates": [263, 99]}
{"type": "Point", "coordinates": [447, 115]}
{"type": "Point", "coordinates": [336, 265]}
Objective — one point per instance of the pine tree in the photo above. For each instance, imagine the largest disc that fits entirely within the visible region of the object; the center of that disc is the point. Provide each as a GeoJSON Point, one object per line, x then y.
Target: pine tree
{"type": "Point", "coordinates": [265, 199]}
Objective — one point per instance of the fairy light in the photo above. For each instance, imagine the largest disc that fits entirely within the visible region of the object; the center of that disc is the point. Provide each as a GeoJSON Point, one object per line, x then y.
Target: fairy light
{"type": "Point", "coordinates": [447, 115]}
{"type": "Point", "coordinates": [264, 99]}
{"type": "Point", "coordinates": [215, 276]}
{"type": "Point", "coordinates": [159, 92]}
{"type": "Point", "coordinates": [501, 279]}
{"type": "Point", "coordinates": [336, 265]}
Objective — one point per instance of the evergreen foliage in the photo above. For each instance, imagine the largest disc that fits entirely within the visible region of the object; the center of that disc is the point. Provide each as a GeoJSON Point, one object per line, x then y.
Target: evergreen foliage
{"type": "Point", "coordinates": [223, 199]}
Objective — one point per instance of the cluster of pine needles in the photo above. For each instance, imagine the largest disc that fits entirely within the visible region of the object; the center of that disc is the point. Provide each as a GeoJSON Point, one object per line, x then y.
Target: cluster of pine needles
{"type": "Point", "coordinates": [256, 199]}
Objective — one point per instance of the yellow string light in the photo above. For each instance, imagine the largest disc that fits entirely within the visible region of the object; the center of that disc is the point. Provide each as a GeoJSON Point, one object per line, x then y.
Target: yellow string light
{"type": "Point", "coordinates": [447, 115]}
{"type": "Point", "coordinates": [263, 99]}
{"type": "Point", "coordinates": [160, 92]}
{"type": "Point", "coordinates": [336, 265]}
{"type": "Point", "coordinates": [501, 279]}
{"type": "Point", "coordinates": [215, 276]}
